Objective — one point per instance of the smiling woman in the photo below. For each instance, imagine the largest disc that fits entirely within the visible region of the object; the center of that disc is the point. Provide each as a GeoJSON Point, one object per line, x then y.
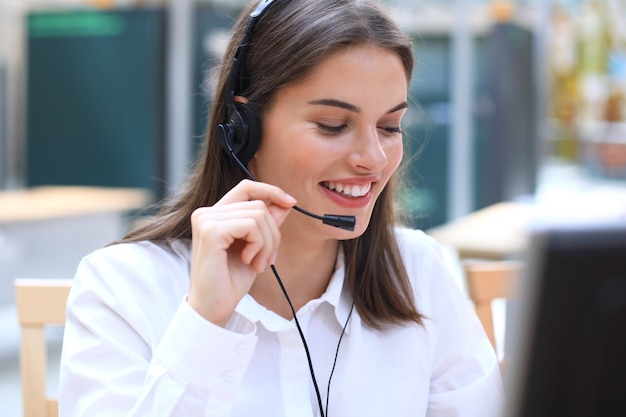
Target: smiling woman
{"type": "Point", "coordinates": [327, 129]}
{"type": "Point", "coordinates": [189, 309]}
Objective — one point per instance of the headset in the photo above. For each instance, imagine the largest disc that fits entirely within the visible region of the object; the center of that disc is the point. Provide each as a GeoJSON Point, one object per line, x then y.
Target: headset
{"type": "Point", "coordinates": [240, 134]}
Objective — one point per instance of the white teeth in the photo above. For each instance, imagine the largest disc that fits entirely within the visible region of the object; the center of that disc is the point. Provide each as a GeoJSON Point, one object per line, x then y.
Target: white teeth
{"type": "Point", "coordinates": [352, 190]}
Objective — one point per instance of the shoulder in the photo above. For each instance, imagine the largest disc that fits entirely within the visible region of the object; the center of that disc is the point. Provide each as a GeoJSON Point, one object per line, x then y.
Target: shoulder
{"type": "Point", "coordinates": [145, 269]}
{"type": "Point", "coordinates": [418, 249]}
{"type": "Point", "coordinates": [411, 239]}
{"type": "Point", "coordinates": [131, 290]}
{"type": "Point", "coordinates": [433, 275]}
{"type": "Point", "coordinates": [140, 255]}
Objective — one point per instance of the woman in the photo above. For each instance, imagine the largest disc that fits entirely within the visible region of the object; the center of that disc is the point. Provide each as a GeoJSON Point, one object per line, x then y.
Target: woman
{"type": "Point", "coordinates": [193, 313]}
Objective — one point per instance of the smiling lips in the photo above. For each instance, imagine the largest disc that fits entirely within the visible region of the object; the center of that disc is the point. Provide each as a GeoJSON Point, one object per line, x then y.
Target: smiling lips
{"type": "Point", "coordinates": [349, 190]}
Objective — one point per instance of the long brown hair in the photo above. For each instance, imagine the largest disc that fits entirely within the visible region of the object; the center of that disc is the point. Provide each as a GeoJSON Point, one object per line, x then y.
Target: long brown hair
{"type": "Point", "coordinates": [289, 40]}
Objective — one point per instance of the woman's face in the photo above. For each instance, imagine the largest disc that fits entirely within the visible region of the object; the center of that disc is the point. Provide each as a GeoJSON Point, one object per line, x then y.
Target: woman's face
{"type": "Point", "coordinates": [334, 140]}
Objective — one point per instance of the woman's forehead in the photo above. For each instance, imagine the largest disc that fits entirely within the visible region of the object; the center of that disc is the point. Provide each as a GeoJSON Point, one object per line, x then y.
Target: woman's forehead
{"type": "Point", "coordinates": [354, 74]}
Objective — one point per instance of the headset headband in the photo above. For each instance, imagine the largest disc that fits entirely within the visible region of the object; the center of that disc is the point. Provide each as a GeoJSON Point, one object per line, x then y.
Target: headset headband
{"type": "Point", "coordinates": [240, 133]}
{"type": "Point", "coordinates": [234, 83]}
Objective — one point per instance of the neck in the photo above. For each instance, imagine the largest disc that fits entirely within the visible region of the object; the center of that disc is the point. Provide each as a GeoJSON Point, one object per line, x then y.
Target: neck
{"type": "Point", "coordinates": [305, 268]}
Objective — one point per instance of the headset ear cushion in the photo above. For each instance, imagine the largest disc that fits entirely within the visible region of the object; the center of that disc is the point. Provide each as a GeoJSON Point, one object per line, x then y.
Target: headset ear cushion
{"type": "Point", "coordinates": [247, 133]}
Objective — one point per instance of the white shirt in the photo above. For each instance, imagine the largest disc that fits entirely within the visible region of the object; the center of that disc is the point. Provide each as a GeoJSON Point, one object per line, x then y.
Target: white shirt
{"type": "Point", "coordinates": [134, 347]}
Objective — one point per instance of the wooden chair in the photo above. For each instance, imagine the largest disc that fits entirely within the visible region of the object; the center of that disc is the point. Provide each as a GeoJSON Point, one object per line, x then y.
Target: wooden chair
{"type": "Point", "coordinates": [40, 303]}
{"type": "Point", "coordinates": [488, 281]}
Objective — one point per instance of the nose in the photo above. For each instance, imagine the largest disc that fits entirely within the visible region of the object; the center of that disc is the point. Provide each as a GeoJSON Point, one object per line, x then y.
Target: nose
{"type": "Point", "coordinates": [369, 152]}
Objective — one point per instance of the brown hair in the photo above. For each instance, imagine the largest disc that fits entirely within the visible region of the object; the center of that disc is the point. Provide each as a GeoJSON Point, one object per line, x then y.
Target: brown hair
{"type": "Point", "coordinates": [289, 40]}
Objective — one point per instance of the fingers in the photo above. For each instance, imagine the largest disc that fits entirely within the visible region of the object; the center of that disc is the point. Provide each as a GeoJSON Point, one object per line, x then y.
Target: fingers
{"type": "Point", "coordinates": [250, 222]}
{"type": "Point", "coordinates": [250, 212]}
{"type": "Point", "coordinates": [278, 202]}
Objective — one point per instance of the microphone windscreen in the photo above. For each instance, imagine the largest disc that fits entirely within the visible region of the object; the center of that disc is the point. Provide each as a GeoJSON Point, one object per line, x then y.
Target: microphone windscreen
{"type": "Point", "coordinates": [343, 222]}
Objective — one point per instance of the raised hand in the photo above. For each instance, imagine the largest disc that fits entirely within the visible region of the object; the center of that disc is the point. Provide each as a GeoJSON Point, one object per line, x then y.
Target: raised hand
{"type": "Point", "coordinates": [232, 241]}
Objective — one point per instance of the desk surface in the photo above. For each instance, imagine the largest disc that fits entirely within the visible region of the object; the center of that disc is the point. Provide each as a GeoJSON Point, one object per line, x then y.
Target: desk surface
{"type": "Point", "coordinates": [41, 203]}
{"type": "Point", "coordinates": [495, 232]}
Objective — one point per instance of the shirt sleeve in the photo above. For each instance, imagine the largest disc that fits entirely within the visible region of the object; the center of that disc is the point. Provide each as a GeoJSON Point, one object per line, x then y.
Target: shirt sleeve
{"type": "Point", "coordinates": [465, 376]}
{"type": "Point", "coordinates": [116, 363]}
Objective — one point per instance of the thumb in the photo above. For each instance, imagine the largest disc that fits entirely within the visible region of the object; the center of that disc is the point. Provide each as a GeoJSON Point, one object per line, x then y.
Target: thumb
{"type": "Point", "coordinates": [279, 212]}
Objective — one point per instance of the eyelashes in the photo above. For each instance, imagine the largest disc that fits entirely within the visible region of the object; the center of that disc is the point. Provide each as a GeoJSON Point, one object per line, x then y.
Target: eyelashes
{"type": "Point", "coordinates": [392, 130]}
{"type": "Point", "coordinates": [331, 130]}
{"type": "Point", "coordinates": [338, 129]}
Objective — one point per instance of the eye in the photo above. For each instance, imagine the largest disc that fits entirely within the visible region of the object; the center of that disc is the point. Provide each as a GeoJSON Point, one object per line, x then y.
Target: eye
{"type": "Point", "coordinates": [391, 130]}
{"type": "Point", "coordinates": [331, 130]}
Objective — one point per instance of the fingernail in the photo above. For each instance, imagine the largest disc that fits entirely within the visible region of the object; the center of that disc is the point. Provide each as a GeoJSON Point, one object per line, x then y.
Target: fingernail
{"type": "Point", "coordinates": [291, 198]}
{"type": "Point", "coordinates": [273, 258]}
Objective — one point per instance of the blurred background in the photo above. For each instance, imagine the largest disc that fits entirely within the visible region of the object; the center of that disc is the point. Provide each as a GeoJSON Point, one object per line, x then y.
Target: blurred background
{"type": "Point", "coordinates": [512, 101]}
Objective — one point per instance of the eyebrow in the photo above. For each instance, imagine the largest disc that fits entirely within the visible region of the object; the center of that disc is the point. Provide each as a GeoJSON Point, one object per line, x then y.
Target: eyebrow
{"type": "Point", "coordinates": [403, 105]}
{"type": "Point", "coordinates": [352, 107]}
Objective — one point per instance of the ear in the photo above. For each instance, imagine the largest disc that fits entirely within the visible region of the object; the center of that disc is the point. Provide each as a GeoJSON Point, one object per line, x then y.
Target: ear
{"type": "Point", "coordinates": [241, 100]}
{"type": "Point", "coordinates": [252, 165]}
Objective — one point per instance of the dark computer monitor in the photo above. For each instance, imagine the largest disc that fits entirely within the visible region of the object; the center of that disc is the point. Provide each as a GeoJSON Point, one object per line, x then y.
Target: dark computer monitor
{"type": "Point", "coordinates": [3, 126]}
{"type": "Point", "coordinates": [570, 347]}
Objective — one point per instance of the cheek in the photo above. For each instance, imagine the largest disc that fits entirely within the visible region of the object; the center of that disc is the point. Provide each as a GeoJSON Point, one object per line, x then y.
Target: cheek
{"type": "Point", "coordinates": [286, 161]}
{"type": "Point", "coordinates": [394, 157]}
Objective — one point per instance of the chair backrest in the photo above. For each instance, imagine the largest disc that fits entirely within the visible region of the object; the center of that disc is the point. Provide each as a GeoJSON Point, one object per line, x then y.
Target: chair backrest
{"type": "Point", "coordinates": [488, 281]}
{"type": "Point", "coordinates": [40, 303]}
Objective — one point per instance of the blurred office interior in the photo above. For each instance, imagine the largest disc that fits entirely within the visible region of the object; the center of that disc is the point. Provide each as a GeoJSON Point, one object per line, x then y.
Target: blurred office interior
{"type": "Point", "coordinates": [115, 93]}
{"type": "Point", "coordinates": [511, 101]}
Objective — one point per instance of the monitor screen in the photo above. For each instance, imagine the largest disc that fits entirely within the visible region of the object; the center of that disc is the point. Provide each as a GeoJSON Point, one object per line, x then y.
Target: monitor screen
{"type": "Point", "coordinates": [3, 126]}
{"type": "Point", "coordinates": [569, 357]}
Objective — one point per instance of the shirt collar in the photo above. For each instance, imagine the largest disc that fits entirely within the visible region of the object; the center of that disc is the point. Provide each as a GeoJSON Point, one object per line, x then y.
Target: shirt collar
{"type": "Point", "coordinates": [337, 295]}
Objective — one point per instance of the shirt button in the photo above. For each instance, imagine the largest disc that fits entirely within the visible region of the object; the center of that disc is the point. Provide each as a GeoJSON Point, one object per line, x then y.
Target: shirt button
{"type": "Point", "coordinates": [229, 377]}
{"type": "Point", "coordinates": [241, 349]}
